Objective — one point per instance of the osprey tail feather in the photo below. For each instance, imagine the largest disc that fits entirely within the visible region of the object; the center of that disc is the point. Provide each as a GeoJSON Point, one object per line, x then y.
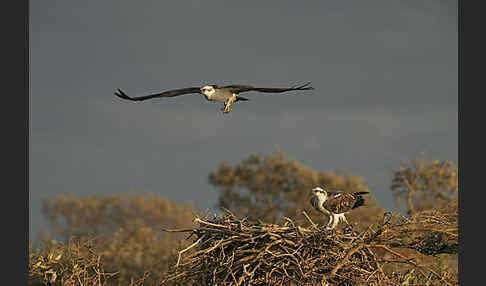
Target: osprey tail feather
{"type": "Point", "coordinates": [359, 199]}
{"type": "Point", "coordinates": [361, 193]}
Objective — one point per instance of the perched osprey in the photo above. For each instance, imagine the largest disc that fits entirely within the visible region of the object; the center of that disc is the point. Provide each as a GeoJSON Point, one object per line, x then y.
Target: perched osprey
{"type": "Point", "coordinates": [335, 204]}
{"type": "Point", "coordinates": [226, 94]}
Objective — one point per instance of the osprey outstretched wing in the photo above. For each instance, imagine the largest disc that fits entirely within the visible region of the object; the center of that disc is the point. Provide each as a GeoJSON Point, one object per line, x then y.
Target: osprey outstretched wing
{"type": "Point", "coordinates": [169, 93]}
{"type": "Point", "coordinates": [244, 88]}
{"type": "Point", "coordinates": [226, 94]}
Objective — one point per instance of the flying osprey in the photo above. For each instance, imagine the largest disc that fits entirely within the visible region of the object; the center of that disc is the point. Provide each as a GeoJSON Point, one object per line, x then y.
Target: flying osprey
{"type": "Point", "coordinates": [226, 94]}
{"type": "Point", "coordinates": [335, 204]}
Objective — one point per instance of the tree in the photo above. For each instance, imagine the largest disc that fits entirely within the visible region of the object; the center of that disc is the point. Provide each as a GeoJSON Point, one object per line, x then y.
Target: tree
{"type": "Point", "coordinates": [267, 188]}
{"type": "Point", "coordinates": [104, 214]}
{"type": "Point", "coordinates": [126, 231]}
{"type": "Point", "coordinates": [423, 185]}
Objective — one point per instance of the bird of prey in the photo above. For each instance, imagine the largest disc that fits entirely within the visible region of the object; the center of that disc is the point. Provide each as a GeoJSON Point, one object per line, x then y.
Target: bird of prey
{"type": "Point", "coordinates": [225, 94]}
{"type": "Point", "coordinates": [335, 204]}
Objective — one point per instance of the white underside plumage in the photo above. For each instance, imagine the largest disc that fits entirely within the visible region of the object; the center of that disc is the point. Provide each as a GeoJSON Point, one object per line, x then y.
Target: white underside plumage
{"type": "Point", "coordinates": [334, 219]}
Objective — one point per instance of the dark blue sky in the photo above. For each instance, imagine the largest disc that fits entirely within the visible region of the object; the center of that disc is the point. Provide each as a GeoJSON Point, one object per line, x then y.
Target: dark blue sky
{"type": "Point", "coordinates": [384, 73]}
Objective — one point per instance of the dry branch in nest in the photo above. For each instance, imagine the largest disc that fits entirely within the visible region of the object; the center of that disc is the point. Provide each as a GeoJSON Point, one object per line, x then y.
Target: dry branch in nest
{"type": "Point", "coordinates": [232, 251]}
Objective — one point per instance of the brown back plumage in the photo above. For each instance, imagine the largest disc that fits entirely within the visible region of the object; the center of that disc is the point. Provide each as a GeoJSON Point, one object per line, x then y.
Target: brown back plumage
{"type": "Point", "coordinates": [343, 202]}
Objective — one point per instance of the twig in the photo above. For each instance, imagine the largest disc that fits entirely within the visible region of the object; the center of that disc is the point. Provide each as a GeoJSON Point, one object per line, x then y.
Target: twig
{"type": "Point", "coordinates": [346, 258]}
{"type": "Point", "coordinates": [308, 218]}
{"type": "Point", "coordinates": [187, 248]}
{"type": "Point", "coordinates": [179, 230]}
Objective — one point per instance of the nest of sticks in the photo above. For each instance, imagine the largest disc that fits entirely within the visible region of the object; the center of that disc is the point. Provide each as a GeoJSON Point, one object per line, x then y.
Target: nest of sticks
{"type": "Point", "coordinates": [231, 251]}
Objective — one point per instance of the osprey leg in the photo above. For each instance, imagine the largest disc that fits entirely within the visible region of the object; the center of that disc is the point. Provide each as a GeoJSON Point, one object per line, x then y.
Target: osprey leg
{"type": "Point", "coordinates": [343, 218]}
{"type": "Point", "coordinates": [329, 222]}
{"type": "Point", "coordinates": [227, 104]}
{"type": "Point", "coordinates": [333, 221]}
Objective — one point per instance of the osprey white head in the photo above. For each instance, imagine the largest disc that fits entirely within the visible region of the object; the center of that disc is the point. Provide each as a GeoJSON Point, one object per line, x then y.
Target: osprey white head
{"type": "Point", "coordinates": [208, 90]}
{"type": "Point", "coordinates": [320, 193]}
